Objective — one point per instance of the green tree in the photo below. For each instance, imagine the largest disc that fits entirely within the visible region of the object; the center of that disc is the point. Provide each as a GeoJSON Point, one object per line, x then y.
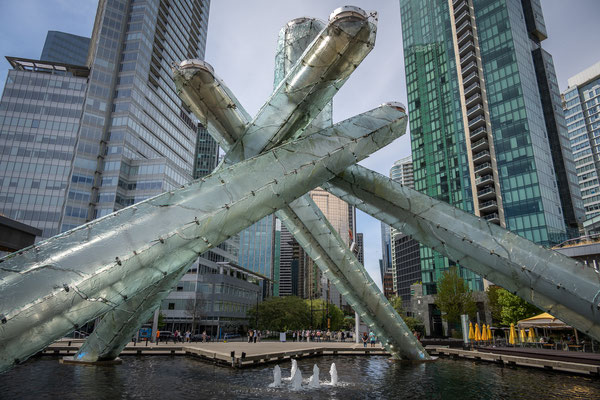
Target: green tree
{"type": "Point", "coordinates": [495, 307]}
{"type": "Point", "coordinates": [454, 297]}
{"type": "Point", "coordinates": [161, 321]}
{"type": "Point", "coordinates": [319, 315]}
{"type": "Point", "coordinates": [280, 314]}
{"type": "Point", "coordinates": [396, 302]}
{"type": "Point", "coordinates": [514, 308]}
{"type": "Point", "coordinates": [414, 324]}
{"type": "Point", "coordinates": [349, 322]}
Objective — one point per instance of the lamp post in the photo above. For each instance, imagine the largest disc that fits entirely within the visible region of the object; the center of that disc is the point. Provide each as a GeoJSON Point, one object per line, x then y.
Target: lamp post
{"type": "Point", "coordinates": [256, 316]}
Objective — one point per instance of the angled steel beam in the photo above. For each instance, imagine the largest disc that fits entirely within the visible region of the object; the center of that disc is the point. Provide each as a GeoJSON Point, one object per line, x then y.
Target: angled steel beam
{"type": "Point", "coordinates": [325, 246]}
{"type": "Point", "coordinates": [51, 288]}
{"type": "Point", "coordinates": [565, 288]}
{"type": "Point", "coordinates": [311, 83]}
{"type": "Point", "coordinates": [118, 326]}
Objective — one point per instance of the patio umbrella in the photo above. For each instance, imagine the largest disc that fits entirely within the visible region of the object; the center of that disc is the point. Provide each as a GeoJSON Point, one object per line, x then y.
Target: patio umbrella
{"type": "Point", "coordinates": [531, 337]}
{"type": "Point", "coordinates": [513, 335]}
{"type": "Point", "coordinates": [484, 333]}
{"type": "Point", "coordinates": [471, 332]}
{"type": "Point", "coordinates": [489, 332]}
{"type": "Point", "coordinates": [522, 335]}
{"type": "Point", "coordinates": [477, 333]}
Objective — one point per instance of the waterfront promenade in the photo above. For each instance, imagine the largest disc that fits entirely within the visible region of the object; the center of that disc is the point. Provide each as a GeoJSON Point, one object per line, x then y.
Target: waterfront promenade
{"type": "Point", "coordinates": [242, 354]}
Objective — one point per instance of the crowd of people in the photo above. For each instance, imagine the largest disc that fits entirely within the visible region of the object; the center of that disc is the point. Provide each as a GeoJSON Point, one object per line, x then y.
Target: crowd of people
{"type": "Point", "coordinates": [317, 335]}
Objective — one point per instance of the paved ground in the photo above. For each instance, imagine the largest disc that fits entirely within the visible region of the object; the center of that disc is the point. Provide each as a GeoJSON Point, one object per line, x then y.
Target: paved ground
{"type": "Point", "coordinates": [271, 347]}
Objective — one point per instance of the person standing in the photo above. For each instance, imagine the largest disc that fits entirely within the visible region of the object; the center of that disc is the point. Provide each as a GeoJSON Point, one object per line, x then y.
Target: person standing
{"type": "Point", "coordinates": [157, 336]}
{"type": "Point", "coordinates": [203, 336]}
{"type": "Point", "coordinates": [365, 339]}
{"type": "Point", "coordinates": [372, 338]}
{"type": "Point", "coordinates": [187, 336]}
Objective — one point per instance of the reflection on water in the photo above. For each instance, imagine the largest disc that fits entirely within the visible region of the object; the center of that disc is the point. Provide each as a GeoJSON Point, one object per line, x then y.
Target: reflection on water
{"type": "Point", "coordinates": [359, 377]}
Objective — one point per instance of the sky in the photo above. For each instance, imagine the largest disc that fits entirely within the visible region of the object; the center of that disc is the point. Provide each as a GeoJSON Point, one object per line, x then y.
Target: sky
{"type": "Point", "coordinates": [242, 36]}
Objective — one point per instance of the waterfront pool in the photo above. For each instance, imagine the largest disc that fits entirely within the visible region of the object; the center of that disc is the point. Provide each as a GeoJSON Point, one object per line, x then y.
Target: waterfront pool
{"type": "Point", "coordinates": [163, 377]}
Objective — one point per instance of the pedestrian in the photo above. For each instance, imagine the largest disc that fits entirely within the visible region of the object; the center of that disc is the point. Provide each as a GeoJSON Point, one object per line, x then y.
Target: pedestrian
{"type": "Point", "coordinates": [255, 336]}
{"type": "Point", "coordinates": [372, 338]}
{"type": "Point", "coordinates": [249, 335]}
{"type": "Point", "coordinates": [343, 337]}
{"type": "Point", "coordinates": [175, 336]}
{"type": "Point", "coordinates": [187, 336]}
{"type": "Point", "coordinates": [157, 336]}
{"type": "Point", "coordinates": [294, 336]}
{"type": "Point", "coordinates": [203, 336]}
{"type": "Point", "coordinates": [365, 339]}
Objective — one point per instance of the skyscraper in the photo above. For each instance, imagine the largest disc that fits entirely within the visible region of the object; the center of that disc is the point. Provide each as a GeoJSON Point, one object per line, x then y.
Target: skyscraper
{"type": "Point", "coordinates": [581, 103]}
{"type": "Point", "coordinates": [126, 134]}
{"type": "Point", "coordinates": [65, 48]}
{"type": "Point", "coordinates": [40, 111]}
{"type": "Point", "coordinates": [478, 130]}
{"type": "Point", "coordinates": [406, 261]}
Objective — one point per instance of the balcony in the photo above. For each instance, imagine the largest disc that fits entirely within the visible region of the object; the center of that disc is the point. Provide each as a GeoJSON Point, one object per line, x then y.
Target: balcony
{"type": "Point", "coordinates": [493, 218]}
{"type": "Point", "coordinates": [470, 78]}
{"type": "Point", "coordinates": [467, 46]}
{"type": "Point", "coordinates": [460, 7]}
{"type": "Point", "coordinates": [468, 57]}
{"type": "Point", "coordinates": [486, 193]}
{"type": "Point", "coordinates": [472, 89]}
{"type": "Point", "coordinates": [482, 156]}
{"type": "Point", "coordinates": [476, 110]}
{"type": "Point", "coordinates": [478, 133]}
{"type": "Point", "coordinates": [476, 122]}
{"type": "Point", "coordinates": [472, 66]}
{"type": "Point", "coordinates": [476, 98]}
{"type": "Point", "coordinates": [484, 179]}
{"type": "Point", "coordinates": [489, 205]}
{"type": "Point", "coordinates": [462, 29]}
{"type": "Point", "coordinates": [479, 145]}
{"type": "Point", "coordinates": [465, 16]}
{"type": "Point", "coordinates": [468, 35]}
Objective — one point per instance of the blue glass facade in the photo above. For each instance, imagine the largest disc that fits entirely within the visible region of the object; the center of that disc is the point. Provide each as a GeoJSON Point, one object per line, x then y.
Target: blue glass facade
{"type": "Point", "coordinates": [463, 53]}
{"type": "Point", "coordinates": [39, 119]}
{"type": "Point", "coordinates": [257, 246]}
{"type": "Point", "coordinates": [65, 48]}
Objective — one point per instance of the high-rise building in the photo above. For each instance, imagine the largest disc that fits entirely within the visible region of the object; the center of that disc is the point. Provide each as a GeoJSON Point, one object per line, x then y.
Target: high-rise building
{"type": "Point", "coordinates": [402, 172]}
{"type": "Point", "coordinates": [406, 261]}
{"type": "Point", "coordinates": [79, 142]}
{"type": "Point", "coordinates": [581, 103]}
{"type": "Point", "coordinates": [65, 48]}
{"type": "Point", "coordinates": [40, 111]}
{"type": "Point", "coordinates": [478, 129]}
{"type": "Point", "coordinates": [136, 138]}
{"type": "Point", "coordinates": [123, 137]}
{"type": "Point", "coordinates": [257, 247]}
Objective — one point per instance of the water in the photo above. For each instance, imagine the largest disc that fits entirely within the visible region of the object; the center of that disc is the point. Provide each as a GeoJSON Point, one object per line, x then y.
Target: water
{"type": "Point", "coordinates": [359, 378]}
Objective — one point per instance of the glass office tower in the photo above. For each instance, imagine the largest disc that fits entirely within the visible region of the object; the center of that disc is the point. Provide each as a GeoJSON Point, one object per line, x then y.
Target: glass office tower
{"type": "Point", "coordinates": [65, 48]}
{"type": "Point", "coordinates": [478, 130]}
{"type": "Point", "coordinates": [581, 103]}
{"type": "Point", "coordinates": [136, 138]}
{"type": "Point", "coordinates": [40, 111]}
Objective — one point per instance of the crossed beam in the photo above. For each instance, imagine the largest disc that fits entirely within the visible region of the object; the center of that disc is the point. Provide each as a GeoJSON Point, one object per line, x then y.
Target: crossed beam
{"type": "Point", "coordinates": [122, 265]}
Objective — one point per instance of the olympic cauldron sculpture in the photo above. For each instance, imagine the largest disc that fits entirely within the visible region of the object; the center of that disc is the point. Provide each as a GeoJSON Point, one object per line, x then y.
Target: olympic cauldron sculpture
{"type": "Point", "coordinates": [121, 266]}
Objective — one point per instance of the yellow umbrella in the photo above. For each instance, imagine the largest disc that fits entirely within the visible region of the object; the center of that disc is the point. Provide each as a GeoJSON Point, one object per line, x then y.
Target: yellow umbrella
{"type": "Point", "coordinates": [522, 335]}
{"type": "Point", "coordinates": [489, 332]}
{"type": "Point", "coordinates": [471, 332]}
{"type": "Point", "coordinates": [531, 337]}
{"type": "Point", "coordinates": [484, 333]}
{"type": "Point", "coordinates": [512, 339]}
{"type": "Point", "coordinates": [477, 334]}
